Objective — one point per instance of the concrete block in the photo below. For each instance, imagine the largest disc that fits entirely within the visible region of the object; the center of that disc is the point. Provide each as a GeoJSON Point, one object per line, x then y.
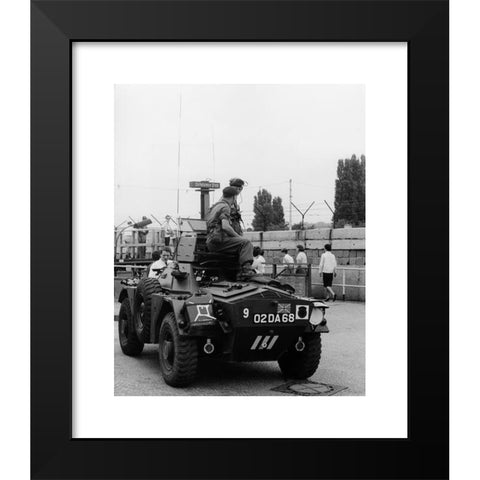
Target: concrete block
{"type": "Point", "coordinates": [315, 244]}
{"type": "Point", "coordinates": [280, 236]}
{"type": "Point", "coordinates": [318, 234]}
{"type": "Point", "coordinates": [252, 236]}
{"type": "Point", "coordinates": [279, 245]}
{"type": "Point", "coordinates": [353, 276]}
{"type": "Point", "coordinates": [348, 233]}
{"type": "Point", "coordinates": [348, 244]}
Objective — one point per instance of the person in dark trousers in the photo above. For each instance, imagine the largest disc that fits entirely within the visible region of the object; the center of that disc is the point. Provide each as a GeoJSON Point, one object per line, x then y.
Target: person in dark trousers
{"type": "Point", "coordinates": [236, 216]}
{"type": "Point", "coordinates": [142, 238]}
{"type": "Point", "coordinates": [221, 236]}
{"type": "Point", "coordinates": [328, 268]}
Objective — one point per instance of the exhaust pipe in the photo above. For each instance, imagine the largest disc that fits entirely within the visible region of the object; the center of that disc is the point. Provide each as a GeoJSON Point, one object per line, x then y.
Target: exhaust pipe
{"type": "Point", "coordinates": [209, 348]}
{"type": "Point", "coordinates": [300, 346]}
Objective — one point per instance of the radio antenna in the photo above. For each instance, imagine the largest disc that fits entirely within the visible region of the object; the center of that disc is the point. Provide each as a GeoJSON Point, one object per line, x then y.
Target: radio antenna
{"type": "Point", "coordinates": [178, 155]}
{"type": "Point", "coordinates": [213, 158]}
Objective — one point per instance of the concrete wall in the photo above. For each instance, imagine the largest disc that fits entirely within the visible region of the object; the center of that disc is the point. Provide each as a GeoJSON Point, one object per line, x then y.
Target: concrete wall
{"type": "Point", "coordinates": [348, 245]}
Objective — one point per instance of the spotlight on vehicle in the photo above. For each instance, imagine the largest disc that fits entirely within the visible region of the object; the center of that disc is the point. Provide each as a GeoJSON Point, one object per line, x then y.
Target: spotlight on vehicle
{"type": "Point", "coordinates": [142, 224]}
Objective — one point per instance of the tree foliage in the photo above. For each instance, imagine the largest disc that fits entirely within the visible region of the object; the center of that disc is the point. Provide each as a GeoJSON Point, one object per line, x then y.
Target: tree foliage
{"type": "Point", "coordinates": [350, 192]}
{"type": "Point", "coordinates": [278, 217]}
{"type": "Point", "coordinates": [269, 214]}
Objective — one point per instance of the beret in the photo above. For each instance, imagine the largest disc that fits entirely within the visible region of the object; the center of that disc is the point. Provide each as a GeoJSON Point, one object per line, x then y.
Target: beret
{"type": "Point", "coordinates": [229, 192]}
{"type": "Point", "coordinates": [237, 182]}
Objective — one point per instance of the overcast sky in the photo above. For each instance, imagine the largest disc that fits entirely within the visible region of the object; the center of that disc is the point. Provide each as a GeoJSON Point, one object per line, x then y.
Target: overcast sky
{"type": "Point", "coordinates": [264, 134]}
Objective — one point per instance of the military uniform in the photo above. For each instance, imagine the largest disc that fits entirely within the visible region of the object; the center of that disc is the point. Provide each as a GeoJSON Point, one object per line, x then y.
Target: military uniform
{"type": "Point", "coordinates": [219, 241]}
{"type": "Point", "coordinates": [236, 218]}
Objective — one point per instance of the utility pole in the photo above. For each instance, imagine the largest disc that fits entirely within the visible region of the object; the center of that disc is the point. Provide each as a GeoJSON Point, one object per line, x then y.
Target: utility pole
{"type": "Point", "coordinates": [213, 158]}
{"type": "Point", "coordinates": [333, 213]}
{"type": "Point", "coordinates": [290, 219]}
{"type": "Point", "coordinates": [178, 159]}
{"type": "Point", "coordinates": [302, 213]}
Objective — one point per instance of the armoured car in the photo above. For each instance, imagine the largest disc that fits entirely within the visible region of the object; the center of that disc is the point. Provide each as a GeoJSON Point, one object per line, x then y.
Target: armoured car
{"type": "Point", "coordinates": [196, 308]}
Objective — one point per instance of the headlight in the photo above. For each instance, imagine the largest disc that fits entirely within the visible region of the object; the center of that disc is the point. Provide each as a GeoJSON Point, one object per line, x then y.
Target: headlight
{"type": "Point", "coordinates": [318, 314]}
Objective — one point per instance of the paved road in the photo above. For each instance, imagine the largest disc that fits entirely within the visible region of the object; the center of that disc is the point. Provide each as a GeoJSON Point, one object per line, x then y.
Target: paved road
{"type": "Point", "coordinates": [342, 364]}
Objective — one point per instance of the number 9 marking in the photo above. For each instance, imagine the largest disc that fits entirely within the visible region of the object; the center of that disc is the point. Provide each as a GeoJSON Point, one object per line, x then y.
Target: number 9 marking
{"type": "Point", "coordinates": [246, 312]}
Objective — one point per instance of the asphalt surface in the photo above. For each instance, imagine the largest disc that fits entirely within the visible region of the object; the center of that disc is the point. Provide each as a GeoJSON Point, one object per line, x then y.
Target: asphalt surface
{"type": "Point", "coordinates": [342, 364]}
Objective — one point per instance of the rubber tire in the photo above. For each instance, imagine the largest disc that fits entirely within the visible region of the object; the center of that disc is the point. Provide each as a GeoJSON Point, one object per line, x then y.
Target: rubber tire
{"type": "Point", "coordinates": [182, 370]}
{"type": "Point", "coordinates": [127, 337]}
{"type": "Point", "coordinates": [145, 288]}
{"type": "Point", "coordinates": [302, 365]}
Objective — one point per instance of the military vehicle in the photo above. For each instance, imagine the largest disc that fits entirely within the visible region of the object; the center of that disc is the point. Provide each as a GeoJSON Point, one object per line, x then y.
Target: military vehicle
{"type": "Point", "coordinates": [196, 308]}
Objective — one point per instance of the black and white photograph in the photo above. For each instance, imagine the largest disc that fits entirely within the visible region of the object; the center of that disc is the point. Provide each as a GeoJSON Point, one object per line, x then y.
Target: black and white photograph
{"type": "Point", "coordinates": [239, 240]}
{"type": "Point", "coordinates": [220, 150]}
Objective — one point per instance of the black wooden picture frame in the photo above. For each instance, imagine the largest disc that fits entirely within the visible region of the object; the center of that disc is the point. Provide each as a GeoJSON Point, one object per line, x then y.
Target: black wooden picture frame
{"type": "Point", "coordinates": [56, 25]}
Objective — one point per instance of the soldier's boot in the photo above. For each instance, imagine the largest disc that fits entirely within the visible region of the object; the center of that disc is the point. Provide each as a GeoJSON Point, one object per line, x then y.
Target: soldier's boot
{"type": "Point", "coordinates": [246, 272]}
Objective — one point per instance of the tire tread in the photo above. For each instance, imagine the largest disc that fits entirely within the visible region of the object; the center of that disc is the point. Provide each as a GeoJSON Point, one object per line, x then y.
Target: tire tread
{"type": "Point", "coordinates": [186, 355]}
{"type": "Point", "coordinates": [302, 365]}
{"type": "Point", "coordinates": [134, 346]}
{"type": "Point", "coordinates": [146, 288]}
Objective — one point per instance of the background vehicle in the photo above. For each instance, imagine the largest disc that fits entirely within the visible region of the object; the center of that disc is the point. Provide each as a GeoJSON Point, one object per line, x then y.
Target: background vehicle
{"type": "Point", "coordinates": [197, 308]}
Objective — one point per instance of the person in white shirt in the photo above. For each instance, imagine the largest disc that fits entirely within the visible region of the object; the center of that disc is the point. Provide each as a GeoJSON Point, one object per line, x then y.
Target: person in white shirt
{"type": "Point", "coordinates": [159, 265]}
{"type": "Point", "coordinates": [155, 257]}
{"type": "Point", "coordinates": [328, 268]}
{"type": "Point", "coordinates": [288, 261]}
{"type": "Point", "coordinates": [301, 260]}
{"type": "Point", "coordinates": [258, 260]}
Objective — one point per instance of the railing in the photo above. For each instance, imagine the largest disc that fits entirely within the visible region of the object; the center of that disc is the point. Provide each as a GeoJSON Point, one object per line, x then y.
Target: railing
{"type": "Point", "coordinates": [302, 281]}
{"type": "Point", "coordinates": [343, 283]}
{"type": "Point", "coordinates": [134, 247]}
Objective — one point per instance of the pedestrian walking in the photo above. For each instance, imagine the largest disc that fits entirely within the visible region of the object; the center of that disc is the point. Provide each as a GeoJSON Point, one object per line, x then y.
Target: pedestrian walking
{"type": "Point", "coordinates": [328, 268]}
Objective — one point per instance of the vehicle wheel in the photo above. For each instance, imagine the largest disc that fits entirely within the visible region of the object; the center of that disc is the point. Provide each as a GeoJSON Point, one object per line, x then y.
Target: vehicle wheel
{"type": "Point", "coordinates": [302, 364]}
{"type": "Point", "coordinates": [129, 342]}
{"type": "Point", "coordinates": [143, 307]}
{"type": "Point", "coordinates": [178, 355]}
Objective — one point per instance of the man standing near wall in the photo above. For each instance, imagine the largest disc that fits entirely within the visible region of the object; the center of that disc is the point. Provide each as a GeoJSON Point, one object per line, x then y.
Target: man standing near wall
{"type": "Point", "coordinates": [301, 260]}
{"type": "Point", "coordinates": [328, 268]}
{"type": "Point", "coordinates": [287, 260]}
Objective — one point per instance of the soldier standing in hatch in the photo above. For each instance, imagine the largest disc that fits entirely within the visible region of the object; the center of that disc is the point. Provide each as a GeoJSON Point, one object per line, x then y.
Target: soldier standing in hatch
{"type": "Point", "coordinates": [236, 217]}
{"type": "Point", "coordinates": [222, 237]}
